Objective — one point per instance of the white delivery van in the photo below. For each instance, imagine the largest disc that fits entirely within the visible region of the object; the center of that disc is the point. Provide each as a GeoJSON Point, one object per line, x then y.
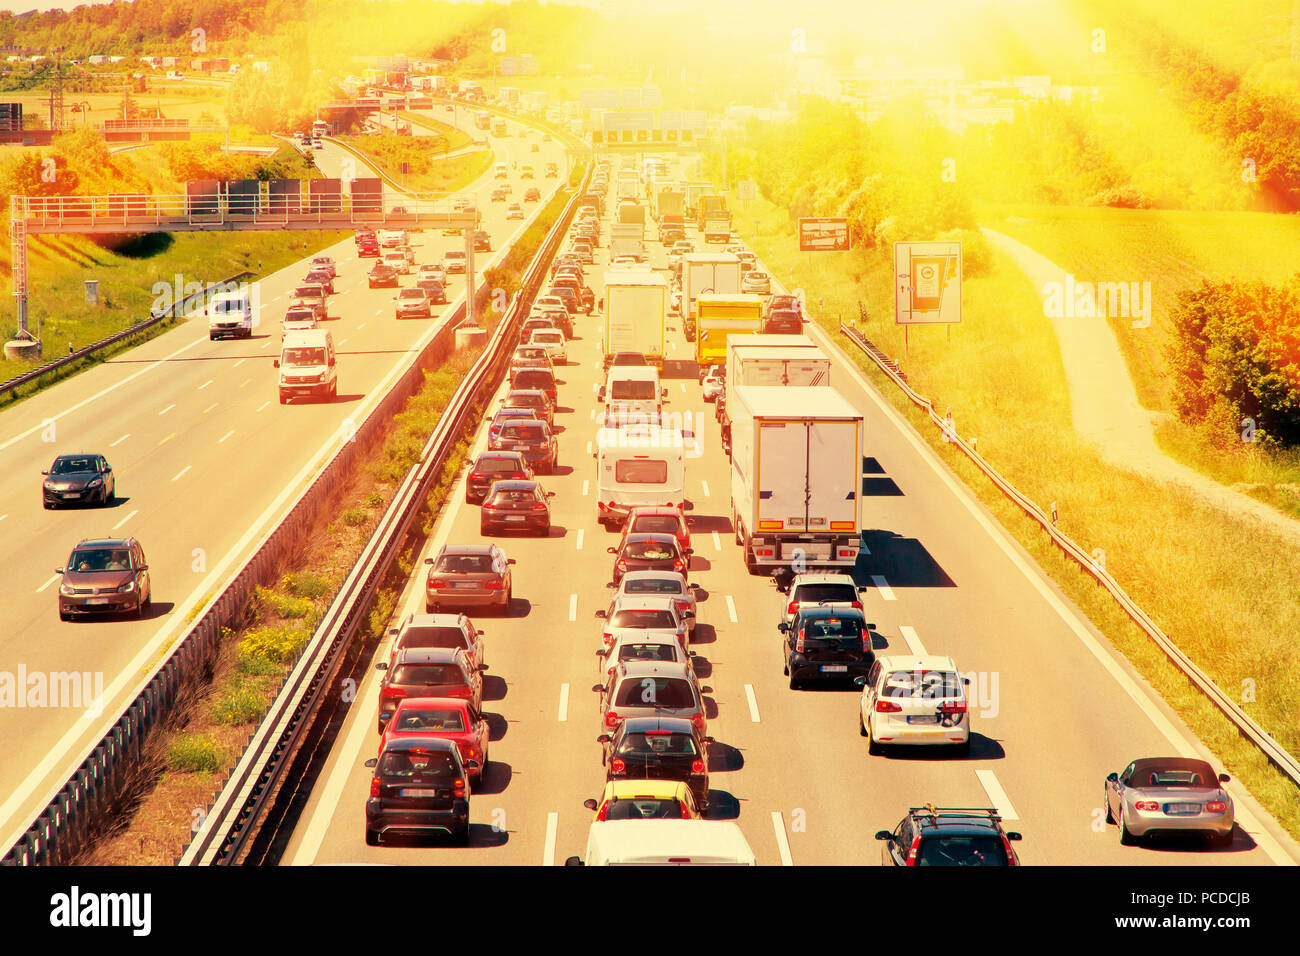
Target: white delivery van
{"type": "Point", "coordinates": [636, 466]}
{"type": "Point", "coordinates": [665, 843]}
{"type": "Point", "coordinates": [308, 365]}
{"type": "Point", "coordinates": [635, 389]}
{"type": "Point", "coordinates": [230, 314]}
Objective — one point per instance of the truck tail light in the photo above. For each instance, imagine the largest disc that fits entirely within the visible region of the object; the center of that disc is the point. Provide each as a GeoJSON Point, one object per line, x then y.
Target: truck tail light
{"type": "Point", "coordinates": [374, 786]}
{"type": "Point", "coordinates": [888, 707]}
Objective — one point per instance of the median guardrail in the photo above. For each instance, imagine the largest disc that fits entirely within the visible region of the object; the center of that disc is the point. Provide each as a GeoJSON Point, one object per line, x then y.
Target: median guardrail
{"type": "Point", "coordinates": [1279, 757]}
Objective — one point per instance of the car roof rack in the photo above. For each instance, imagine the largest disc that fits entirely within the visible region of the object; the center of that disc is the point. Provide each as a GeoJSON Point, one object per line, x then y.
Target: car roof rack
{"type": "Point", "coordinates": [930, 810]}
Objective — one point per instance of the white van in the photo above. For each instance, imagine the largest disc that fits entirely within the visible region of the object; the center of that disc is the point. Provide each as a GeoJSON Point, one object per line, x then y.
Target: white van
{"type": "Point", "coordinates": [636, 466]}
{"type": "Point", "coordinates": [636, 389]}
{"type": "Point", "coordinates": [500, 171]}
{"type": "Point", "coordinates": [308, 365]}
{"type": "Point", "coordinates": [665, 843]}
{"type": "Point", "coordinates": [230, 314]}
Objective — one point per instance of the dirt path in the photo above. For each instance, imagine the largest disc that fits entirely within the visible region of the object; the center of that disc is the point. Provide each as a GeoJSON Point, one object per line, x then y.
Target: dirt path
{"type": "Point", "coordinates": [1104, 404]}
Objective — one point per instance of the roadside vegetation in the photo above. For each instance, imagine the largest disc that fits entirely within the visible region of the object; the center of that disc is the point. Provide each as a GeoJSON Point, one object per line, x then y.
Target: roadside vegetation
{"type": "Point", "coordinates": [426, 172]}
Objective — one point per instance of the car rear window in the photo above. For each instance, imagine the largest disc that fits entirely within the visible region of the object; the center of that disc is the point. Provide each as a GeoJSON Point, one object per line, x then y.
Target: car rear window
{"type": "Point", "coordinates": [407, 765]}
{"type": "Point", "coordinates": [491, 466]}
{"type": "Point", "coordinates": [953, 850]}
{"type": "Point", "coordinates": [625, 391]}
{"type": "Point", "coordinates": [436, 720]}
{"type": "Point", "coordinates": [670, 692]}
{"type": "Point", "coordinates": [546, 335]}
{"type": "Point", "coordinates": [832, 627]}
{"type": "Point", "coordinates": [466, 563]}
{"type": "Point", "coordinates": [427, 674]}
{"type": "Point", "coordinates": [641, 471]}
{"type": "Point", "coordinates": [431, 637]}
{"type": "Point", "coordinates": [535, 378]}
{"type": "Point", "coordinates": [659, 743]}
{"type": "Point", "coordinates": [647, 652]}
{"type": "Point", "coordinates": [923, 685]}
{"type": "Point", "coordinates": [643, 618]}
{"type": "Point", "coordinates": [662, 524]}
{"type": "Point", "coordinates": [643, 808]}
{"type": "Point", "coordinates": [528, 401]}
{"type": "Point", "coordinates": [650, 551]}
{"type": "Point", "coordinates": [524, 431]}
{"type": "Point", "coordinates": [652, 586]}
{"type": "Point", "coordinates": [816, 593]}
{"type": "Point", "coordinates": [505, 495]}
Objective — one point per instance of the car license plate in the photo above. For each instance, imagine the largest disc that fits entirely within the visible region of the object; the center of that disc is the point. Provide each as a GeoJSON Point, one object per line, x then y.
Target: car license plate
{"type": "Point", "coordinates": [418, 792]}
{"type": "Point", "coordinates": [96, 600]}
{"type": "Point", "coordinates": [462, 584]}
{"type": "Point", "coordinates": [835, 668]}
{"type": "Point", "coordinates": [514, 517]}
{"type": "Point", "coordinates": [521, 448]}
{"type": "Point", "coordinates": [72, 494]}
{"type": "Point", "coordinates": [922, 719]}
{"type": "Point", "coordinates": [1182, 808]}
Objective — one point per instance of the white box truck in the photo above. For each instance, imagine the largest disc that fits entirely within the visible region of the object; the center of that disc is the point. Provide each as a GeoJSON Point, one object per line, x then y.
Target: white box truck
{"type": "Point", "coordinates": [796, 477]}
{"type": "Point", "coordinates": [717, 272]}
{"type": "Point", "coordinates": [627, 239]}
{"type": "Point", "coordinates": [774, 360]}
{"type": "Point", "coordinates": [636, 302]}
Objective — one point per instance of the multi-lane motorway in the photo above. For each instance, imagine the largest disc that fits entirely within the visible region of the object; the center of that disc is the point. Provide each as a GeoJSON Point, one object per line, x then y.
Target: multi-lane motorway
{"type": "Point", "coordinates": [1054, 707]}
{"type": "Point", "coordinates": [205, 459]}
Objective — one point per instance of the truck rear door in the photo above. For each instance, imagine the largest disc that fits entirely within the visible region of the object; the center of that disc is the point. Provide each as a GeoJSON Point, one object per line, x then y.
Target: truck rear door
{"type": "Point", "coordinates": [834, 475]}
{"type": "Point", "coordinates": [782, 475]}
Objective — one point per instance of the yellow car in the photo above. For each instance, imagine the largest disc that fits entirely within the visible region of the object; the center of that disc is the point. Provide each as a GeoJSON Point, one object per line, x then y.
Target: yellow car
{"type": "Point", "coordinates": [645, 800]}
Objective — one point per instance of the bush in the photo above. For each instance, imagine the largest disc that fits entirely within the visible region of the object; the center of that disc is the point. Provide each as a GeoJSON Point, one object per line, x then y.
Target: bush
{"type": "Point", "coordinates": [354, 517]}
{"type": "Point", "coordinates": [242, 705]}
{"type": "Point", "coordinates": [283, 605]}
{"type": "Point", "coordinates": [1121, 197]}
{"type": "Point", "coordinates": [280, 644]}
{"type": "Point", "coordinates": [305, 584]}
{"type": "Point", "coordinates": [193, 753]}
{"type": "Point", "coordinates": [976, 256]}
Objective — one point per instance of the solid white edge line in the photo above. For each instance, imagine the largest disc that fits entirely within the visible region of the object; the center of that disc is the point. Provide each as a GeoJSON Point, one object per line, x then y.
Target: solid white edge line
{"type": "Point", "coordinates": [564, 702]}
{"type": "Point", "coordinates": [731, 610]}
{"type": "Point", "coordinates": [753, 703]}
{"type": "Point", "coordinates": [881, 585]}
{"type": "Point", "coordinates": [126, 519]}
{"type": "Point", "coordinates": [997, 796]}
{"type": "Point", "coordinates": [548, 851]}
{"type": "Point", "coordinates": [53, 578]}
{"type": "Point", "coordinates": [782, 843]}
{"type": "Point", "coordinates": [913, 642]}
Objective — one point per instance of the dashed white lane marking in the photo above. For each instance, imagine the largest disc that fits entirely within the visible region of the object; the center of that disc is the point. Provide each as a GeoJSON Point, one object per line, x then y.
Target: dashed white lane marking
{"type": "Point", "coordinates": [53, 578]}
{"type": "Point", "coordinates": [225, 436]}
{"type": "Point", "coordinates": [705, 485]}
{"type": "Point", "coordinates": [265, 346]}
{"type": "Point", "coordinates": [588, 448]}
{"type": "Point", "coordinates": [342, 342]}
{"type": "Point", "coordinates": [126, 519]}
{"type": "Point", "coordinates": [753, 703]}
{"type": "Point", "coordinates": [204, 385]}
{"type": "Point", "coordinates": [2, 517]}
{"type": "Point", "coordinates": [210, 407]}
{"type": "Point", "coordinates": [573, 607]}
{"type": "Point", "coordinates": [782, 844]}
{"type": "Point", "coordinates": [262, 406]}
{"type": "Point", "coordinates": [548, 852]}
{"type": "Point", "coordinates": [717, 542]}
{"type": "Point", "coordinates": [580, 531]}
{"type": "Point", "coordinates": [683, 384]}
{"type": "Point", "coordinates": [167, 439]}
{"type": "Point", "coordinates": [585, 486]}
{"type": "Point", "coordinates": [731, 610]}
{"type": "Point", "coordinates": [239, 363]}
{"type": "Point", "coordinates": [886, 592]}
{"type": "Point", "coordinates": [120, 440]}
{"type": "Point", "coordinates": [564, 702]}
{"type": "Point", "coordinates": [913, 642]}
{"type": "Point", "coordinates": [361, 326]}
{"type": "Point", "coordinates": [591, 415]}
{"type": "Point", "coordinates": [997, 796]}
{"type": "Point", "coordinates": [181, 473]}
{"type": "Point", "coordinates": [167, 409]}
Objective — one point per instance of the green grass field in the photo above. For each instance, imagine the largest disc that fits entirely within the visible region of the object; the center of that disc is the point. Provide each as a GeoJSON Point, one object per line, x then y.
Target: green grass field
{"type": "Point", "coordinates": [1230, 605]}
{"type": "Point", "coordinates": [455, 136]}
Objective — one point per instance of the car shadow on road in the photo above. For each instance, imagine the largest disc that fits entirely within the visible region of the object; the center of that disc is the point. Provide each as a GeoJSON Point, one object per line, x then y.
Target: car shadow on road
{"type": "Point", "coordinates": [498, 726]}
{"type": "Point", "coordinates": [561, 470]}
{"type": "Point", "coordinates": [981, 748]}
{"type": "Point", "coordinates": [724, 758]}
{"type": "Point", "coordinates": [519, 607]}
{"type": "Point", "coordinates": [1174, 842]}
{"type": "Point", "coordinates": [558, 531]}
{"type": "Point", "coordinates": [494, 688]}
{"type": "Point", "coordinates": [699, 563]}
{"type": "Point", "coordinates": [705, 634]}
{"type": "Point", "coordinates": [703, 666]}
{"type": "Point", "coordinates": [343, 399]}
{"type": "Point", "coordinates": [496, 777]}
{"type": "Point", "coordinates": [722, 806]}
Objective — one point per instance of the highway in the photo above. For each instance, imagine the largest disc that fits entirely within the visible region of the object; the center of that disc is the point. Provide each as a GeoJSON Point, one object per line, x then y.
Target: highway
{"type": "Point", "coordinates": [206, 459]}
{"type": "Point", "coordinates": [1054, 707]}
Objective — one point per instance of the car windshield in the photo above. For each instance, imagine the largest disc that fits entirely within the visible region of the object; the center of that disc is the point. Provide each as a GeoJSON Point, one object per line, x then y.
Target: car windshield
{"type": "Point", "coordinates": [647, 652]}
{"type": "Point", "coordinates": [72, 466]}
{"type": "Point", "coordinates": [1178, 772]}
{"type": "Point", "coordinates": [304, 356]}
{"type": "Point", "coordinates": [815, 593]}
{"type": "Point", "coordinates": [435, 719]}
{"type": "Point", "coordinates": [625, 391]}
{"type": "Point", "coordinates": [100, 559]}
{"type": "Point", "coordinates": [658, 743]}
{"type": "Point", "coordinates": [652, 586]}
{"type": "Point", "coordinates": [467, 563]}
{"type": "Point", "coordinates": [643, 808]}
{"type": "Point", "coordinates": [524, 431]}
{"type": "Point", "coordinates": [832, 627]}
{"type": "Point", "coordinates": [645, 618]}
{"type": "Point", "coordinates": [408, 765]}
{"type": "Point", "coordinates": [670, 692]}
{"type": "Point", "coordinates": [427, 674]}
{"type": "Point", "coordinates": [664, 524]}
{"type": "Point", "coordinates": [923, 684]}
{"type": "Point", "coordinates": [431, 637]}
{"type": "Point", "coordinates": [955, 850]}
{"type": "Point", "coordinates": [650, 551]}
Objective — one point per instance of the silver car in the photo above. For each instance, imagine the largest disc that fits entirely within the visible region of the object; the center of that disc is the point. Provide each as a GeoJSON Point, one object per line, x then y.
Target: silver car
{"type": "Point", "coordinates": [651, 689]}
{"type": "Point", "coordinates": [661, 583]}
{"type": "Point", "coordinates": [821, 587]}
{"type": "Point", "coordinates": [1169, 794]}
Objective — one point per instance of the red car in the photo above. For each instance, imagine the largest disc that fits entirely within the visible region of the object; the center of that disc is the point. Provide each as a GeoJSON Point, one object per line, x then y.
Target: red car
{"type": "Point", "coordinates": [658, 520]}
{"type": "Point", "coordinates": [448, 718]}
{"type": "Point", "coordinates": [368, 249]}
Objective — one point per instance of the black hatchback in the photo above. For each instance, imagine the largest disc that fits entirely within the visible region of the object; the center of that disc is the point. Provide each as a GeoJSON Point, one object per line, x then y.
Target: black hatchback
{"type": "Point", "coordinates": [78, 479]}
{"type": "Point", "coordinates": [826, 642]}
{"type": "Point", "coordinates": [419, 785]}
{"type": "Point", "coordinates": [495, 466]}
{"type": "Point", "coordinates": [516, 506]}
{"type": "Point", "coordinates": [532, 439]}
{"type": "Point", "coordinates": [659, 748]}
{"type": "Point", "coordinates": [540, 379]}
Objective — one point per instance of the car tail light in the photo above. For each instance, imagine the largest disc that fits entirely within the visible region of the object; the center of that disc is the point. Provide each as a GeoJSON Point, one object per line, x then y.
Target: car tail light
{"type": "Point", "coordinates": [604, 808]}
{"type": "Point", "coordinates": [539, 506]}
{"type": "Point", "coordinates": [866, 643]}
{"type": "Point", "coordinates": [434, 585]}
{"type": "Point", "coordinates": [612, 719]}
{"type": "Point", "coordinates": [1011, 854]}
{"type": "Point", "coordinates": [609, 638]}
{"type": "Point", "coordinates": [393, 693]}
{"type": "Point", "coordinates": [1148, 805]}
{"type": "Point", "coordinates": [458, 787]}
{"type": "Point", "coordinates": [697, 766]}
{"type": "Point", "coordinates": [792, 607]}
{"type": "Point", "coordinates": [617, 765]}
{"type": "Point", "coordinates": [622, 564]}
{"type": "Point", "coordinates": [1216, 806]}
{"type": "Point", "coordinates": [953, 707]}
{"type": "Point", "coordinates": [475, 476]}
{"type": "Point", "coordinates": [911, 851]}
{"type": "Point", "coordinates": [888, 707]}
{"type": "Point", "coordinates": [495, 585]}
{"type": "Point", "coordinates": [856, 605]}
{"type": "Point", "coordinates": [374, 786]}
{"type": "Point", "coordinates": [798, 643]}
{"type": "Point", "coordinates": [698, 720]}
{"type": "Point", "coordinates": [679, 564]}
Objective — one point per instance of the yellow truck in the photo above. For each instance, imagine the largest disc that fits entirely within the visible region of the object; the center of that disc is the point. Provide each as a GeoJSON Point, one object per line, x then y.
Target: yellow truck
{"type": "Point", "coordinates": [719, 316]}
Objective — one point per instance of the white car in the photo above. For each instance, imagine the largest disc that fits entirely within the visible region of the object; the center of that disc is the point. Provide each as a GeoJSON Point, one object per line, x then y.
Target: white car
{"type": "Point", "coordinates": [397, 259]}
{"type": "Point", "coordinates": [756, 283]}
{"type": "Point", "coordinates": [624, 261]}
{"type": "Point", "coordinates": [296, 320]}
{"type": "Point", "coordinates": [911, 700]}
{"type": "Point", "coordinates": [433, 270]}
{"type": "Point", "coordinates": [515, 211]}
{"type": "Point", "coordinates": [391, 238]}
{"type": "Point", "coordinates": [644, 612]}
{"type": "Point", "coordinates": [632, 645]}
{"type": "Point", "coordinates": [664, 583]}
{"type": "Point", "coordinates": [713, 383]}
{"type": "Point", "coordinates": [553, 341]}
{"type": "Point", "coordinates": [327, 263]}
{"type": "Point", "coordinates": [819, 587]}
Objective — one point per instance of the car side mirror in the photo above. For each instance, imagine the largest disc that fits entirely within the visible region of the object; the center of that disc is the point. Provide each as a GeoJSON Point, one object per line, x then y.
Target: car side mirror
{"type": "Point", "coordinates": [694, 586]}
{"type": "Point", "coordinates": [392, 630]}
{"type": "Point", "coordinates": [599, 615]}
{"type": "Point", "coordinates": [550, 494]}
{"type": "Point", "coordinates": [45, 473]}
{"type": "Point", "coordinates": [382, 666]}
{"type": "Point", "coordinates": [58, 570]}
{"type": "Point", "coordinates": [860, 681]}
{"type": "Point", "coordinates": [471, 765]}
{"type": "Point", "coordinates": [688, 550]}
{"type": "Point", "coordinates": [1013, 835]}
{"type": "Point", "coordinates": [604, 739]}
{"type": "Point", "coordinates": [590, 805]}
{"type": "Point", "coordinates": [597, 688]}
{"type": "Point", "coordinates": [966, 681]}
{"type": "Point", "coordinates": [872, 627]}
{"type": "Point", "coordinates": [386, 716]}
{"type": "Point", "coordinates": [602, 652]}
{"type": "Point", "coordinates": [612, 550]}
{"type": "Point", "coordinates": [428, 560]}
{"type": "Point", "coordinates": [1113, 777]}
{"type": "Point", "coordinates": [884, 835]}
{"type": "Point", "coordinates": [783, 626]}
{"type": "Point", "coordinates": [372, 762]}
{"type": "Point", "coordinates": [1224, 778]}
{"type": "Point", "coordinates": [706, 690]}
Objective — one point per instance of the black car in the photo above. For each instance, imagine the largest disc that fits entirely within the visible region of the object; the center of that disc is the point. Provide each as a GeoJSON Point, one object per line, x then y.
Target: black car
{"type": "Point", "coordinates": [649, 551]}
{"type": "Point", "coordinates": [783, 322]}
{"type": "Point", "coordinates": [419, 784]}
{"type": "Point", "coordinates": [434, 290]}
{"type": "Point", "coordinates": [826, 641]}
{"type": "Point", "coordinates": [516, 506]}
{"type": "Point", "coordinates": [946, 836]}
{"type": "Point", "coordinates": [534, 441]}
{"type": "Point", "coordinates": [382, 275]}
{"type": "Point", "coordinates": [659, 748]}
{"type": "Point", "coordinates": [482, 241]}
{"type": "Point", "coordinates": [571, 293]}
{"type": "Point", "coordinates": [538, 379]}
{"type": "Point", "coordinates": [78, 479]}
{"type": "Point", "coordinates": [504, 415]}
{"type": "Point", "coordinates": [781, 303]}
{"type": "Point", "coordinates": [495, 466]}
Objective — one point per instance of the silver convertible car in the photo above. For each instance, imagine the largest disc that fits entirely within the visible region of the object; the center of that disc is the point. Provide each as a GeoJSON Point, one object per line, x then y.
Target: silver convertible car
{"type": "Point", "coordinates": [1169, 794]}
